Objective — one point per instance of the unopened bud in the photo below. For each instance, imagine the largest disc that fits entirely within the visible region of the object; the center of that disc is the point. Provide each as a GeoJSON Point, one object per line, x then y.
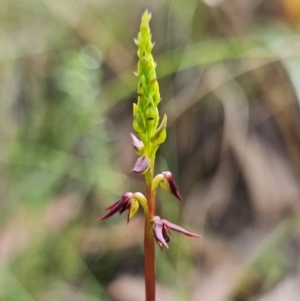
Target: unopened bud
{"type": "Point", "coordinates": [137, 144]}
{"type": "Point", "coordinates": [160, 134]}
{"type": "Point", "coordinates": [138, 123]}
{"type": "Point", "coordinates": [141, 165]}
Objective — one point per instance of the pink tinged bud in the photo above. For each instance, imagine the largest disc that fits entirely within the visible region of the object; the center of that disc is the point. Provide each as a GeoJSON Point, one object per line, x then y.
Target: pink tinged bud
{"type": "Point", "coordinates": [127, 202]}
{"type": "Point", "coordinates": [141, 165]}
{"type": "Point", "coordinates": [137, 144]}
{"type": "Point", "coordinates": [169, 184]}
{"type": "Point", "coordinates": [162, 229]}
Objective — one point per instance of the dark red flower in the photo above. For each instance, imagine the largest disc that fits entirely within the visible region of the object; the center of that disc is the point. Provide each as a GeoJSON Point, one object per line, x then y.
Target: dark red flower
{"type": "Point", "coordinates": [127, 202]}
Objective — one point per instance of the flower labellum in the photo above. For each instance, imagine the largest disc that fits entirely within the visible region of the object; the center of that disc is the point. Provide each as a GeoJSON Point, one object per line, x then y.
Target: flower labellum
{"type": "Point", "coordinates": [127, 202]}
{"type": "Point", "coordinates": [161, 229]}
{"type": "Point", "coordinates": [141, 165]}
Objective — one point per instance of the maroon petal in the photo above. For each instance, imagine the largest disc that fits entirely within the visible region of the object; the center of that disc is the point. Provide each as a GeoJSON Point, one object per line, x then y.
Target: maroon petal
{"type": "Point", "coordinates": [112, 206]}
{"type": "Point", "coordinates": [125, 207]}
{"type": "Point", "coordinates": [118, 206]}
{"type": "Point", "coordinates": [110, 213]}
{"type": "Point", "coordinates": [179, 229]}
{"type": "Point", "coordinates": [141, 165]}
{"type": "Point", "coordinates": [169, 177]}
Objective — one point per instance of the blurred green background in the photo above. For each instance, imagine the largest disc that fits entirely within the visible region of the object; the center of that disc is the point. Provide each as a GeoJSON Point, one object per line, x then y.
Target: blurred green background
{"type": "Point", "coordinates": [229, 74]}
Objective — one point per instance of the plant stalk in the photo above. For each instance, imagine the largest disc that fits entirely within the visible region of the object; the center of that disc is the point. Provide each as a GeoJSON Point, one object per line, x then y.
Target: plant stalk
{"type": "Point", "coordinates": [149, 241]}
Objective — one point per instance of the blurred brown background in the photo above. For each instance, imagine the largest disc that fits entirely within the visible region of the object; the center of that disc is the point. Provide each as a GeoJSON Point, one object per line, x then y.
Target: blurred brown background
{"type": "Point", "coordinates": [229, 74]}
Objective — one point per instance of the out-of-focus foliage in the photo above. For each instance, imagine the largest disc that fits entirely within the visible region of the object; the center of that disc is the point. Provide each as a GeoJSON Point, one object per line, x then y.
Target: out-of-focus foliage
{"type": "Point", "coordinates": [229, 77]}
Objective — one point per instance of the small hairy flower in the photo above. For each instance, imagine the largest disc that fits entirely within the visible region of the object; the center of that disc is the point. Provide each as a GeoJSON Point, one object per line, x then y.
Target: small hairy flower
{"type": "Point", "coordinates": [161, 229]}
{"type": "Point", "coordinates": [127, 202]}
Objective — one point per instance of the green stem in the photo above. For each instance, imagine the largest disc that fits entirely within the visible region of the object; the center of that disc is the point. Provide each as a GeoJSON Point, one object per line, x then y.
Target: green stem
{"type": "Point", "coordinates": [149, 242]}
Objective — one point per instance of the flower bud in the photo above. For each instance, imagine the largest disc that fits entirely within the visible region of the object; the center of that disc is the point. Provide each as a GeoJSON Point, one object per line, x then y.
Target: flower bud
{"type": "Point", "coordinates": [160, 134]}
{"type": "Point", "coordinates": [138, 123]}
{"type": "Point", "coordinates": [137, 144]}
{"type": "Point", "coordinates": [141, 165]}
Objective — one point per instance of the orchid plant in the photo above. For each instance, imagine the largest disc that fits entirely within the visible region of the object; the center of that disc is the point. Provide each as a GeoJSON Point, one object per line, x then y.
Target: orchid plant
{"type": "Point", "coordinates": [150, 135]}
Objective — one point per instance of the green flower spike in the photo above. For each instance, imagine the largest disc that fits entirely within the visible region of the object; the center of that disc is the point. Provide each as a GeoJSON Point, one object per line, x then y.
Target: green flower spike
{"type": "Point", "coordinates": [145, 111]}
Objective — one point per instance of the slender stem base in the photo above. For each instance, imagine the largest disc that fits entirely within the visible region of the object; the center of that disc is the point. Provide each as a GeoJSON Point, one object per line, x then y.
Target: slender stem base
{"type": "Point", "coordinates": [149, 262]}
{"type": "Point", "coordinates": [149, 241]}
